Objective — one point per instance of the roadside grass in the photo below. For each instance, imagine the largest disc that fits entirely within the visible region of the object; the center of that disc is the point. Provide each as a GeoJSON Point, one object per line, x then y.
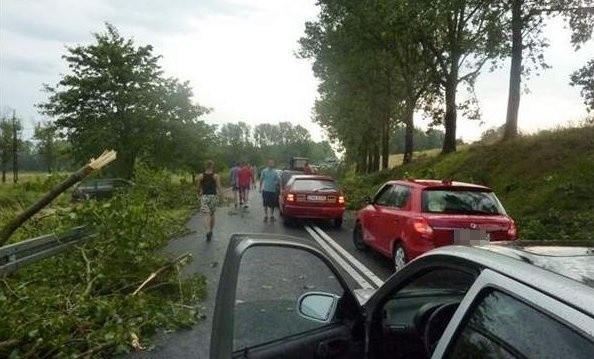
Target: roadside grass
{"type": "Point", "coordinates": [545, 181]}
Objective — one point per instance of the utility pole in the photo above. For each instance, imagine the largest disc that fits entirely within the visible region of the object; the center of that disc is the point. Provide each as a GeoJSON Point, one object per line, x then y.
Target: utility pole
{"type": "Point", "coordinates": [15, 145]}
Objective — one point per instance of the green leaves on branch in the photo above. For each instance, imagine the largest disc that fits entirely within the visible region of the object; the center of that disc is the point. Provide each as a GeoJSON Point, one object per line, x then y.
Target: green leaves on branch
{"type": "Point", "coordinates": [81, 301]}
{"type": "Point", "coordinates": [584, 78]}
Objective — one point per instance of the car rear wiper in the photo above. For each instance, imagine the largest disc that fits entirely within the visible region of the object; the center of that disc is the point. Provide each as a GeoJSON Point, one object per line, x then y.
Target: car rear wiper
{"type": "Point", "coordinates": [324, 189]}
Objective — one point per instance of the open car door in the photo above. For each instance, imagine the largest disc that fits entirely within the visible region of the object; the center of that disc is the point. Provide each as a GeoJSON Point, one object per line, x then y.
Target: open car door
{"type": "Point", "coordinates": [280, 298]}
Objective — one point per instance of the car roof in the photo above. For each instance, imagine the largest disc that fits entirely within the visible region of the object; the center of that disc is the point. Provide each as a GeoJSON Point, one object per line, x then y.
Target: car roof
{"type": "Point", "coordinates": [564, 271]}
{"type": "Point", "coordinates": [428, 183]}
{"type": "Point", "coordinates": [569, 259]}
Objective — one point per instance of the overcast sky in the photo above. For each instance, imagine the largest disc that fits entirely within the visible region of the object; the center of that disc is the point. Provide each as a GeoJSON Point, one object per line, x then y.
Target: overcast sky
{"type": "Point", "coordinates": [239, 57]}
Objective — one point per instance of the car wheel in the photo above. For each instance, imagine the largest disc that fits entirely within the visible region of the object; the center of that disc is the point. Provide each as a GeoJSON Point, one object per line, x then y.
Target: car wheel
{"type": "Point", "coordinates": [358, 238]}
{"type": "Point", "coordinates": [399, 257]}
{"type": "Point", "coordinates": [337, 222]}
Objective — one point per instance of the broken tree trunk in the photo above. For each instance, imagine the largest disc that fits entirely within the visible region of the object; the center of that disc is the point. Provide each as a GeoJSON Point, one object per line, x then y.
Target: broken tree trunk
{"type": "Point", "coordinates": [93, 165]}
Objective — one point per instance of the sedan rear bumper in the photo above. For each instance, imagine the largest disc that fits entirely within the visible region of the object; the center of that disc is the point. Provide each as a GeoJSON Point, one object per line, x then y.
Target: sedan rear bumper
{"type": "Point", "coordinates": [312, 212]}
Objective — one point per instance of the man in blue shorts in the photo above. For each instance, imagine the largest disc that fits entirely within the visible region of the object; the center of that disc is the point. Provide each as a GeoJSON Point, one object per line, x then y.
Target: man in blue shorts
{"type": "Point", "coordinates": [270, 188]}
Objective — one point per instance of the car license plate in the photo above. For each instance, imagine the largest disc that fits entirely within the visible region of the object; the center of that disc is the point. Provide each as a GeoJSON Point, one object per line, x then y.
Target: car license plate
{"type": "Point", "coordinates": [471, 237]}
{"type": "Point", "coordinates": [316, 198]}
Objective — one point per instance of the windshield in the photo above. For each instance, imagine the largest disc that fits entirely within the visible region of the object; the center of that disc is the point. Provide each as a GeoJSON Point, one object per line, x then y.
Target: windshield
{"type": "Point", "coordinates": [313, 185]}
{"type": "Point", "coordinates": [457, 201]}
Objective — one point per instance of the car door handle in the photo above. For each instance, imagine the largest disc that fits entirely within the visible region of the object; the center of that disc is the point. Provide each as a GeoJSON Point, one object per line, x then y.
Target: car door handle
{"type": "Point", "coordinates": [332, 348]}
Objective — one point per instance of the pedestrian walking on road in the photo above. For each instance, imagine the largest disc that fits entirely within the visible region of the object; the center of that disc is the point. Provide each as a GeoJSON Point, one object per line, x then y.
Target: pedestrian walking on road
{"type": "Point", "coordinates": [209, 188]}
{"type": "Point", "coordinates": [234, 182]}
{"type": "Point", "coordinates": [254, 177]}
{"type": "Point", "coordinates": [270, 188]}
{"type": "Point", "coordinates": [245, 179]}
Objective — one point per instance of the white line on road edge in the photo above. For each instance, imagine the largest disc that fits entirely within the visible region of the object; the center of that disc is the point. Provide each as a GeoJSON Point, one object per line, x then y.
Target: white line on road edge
{"type": "Point", "coordinates": [347, 267]}
{"type": "Point", "coordinates": [352, 260]}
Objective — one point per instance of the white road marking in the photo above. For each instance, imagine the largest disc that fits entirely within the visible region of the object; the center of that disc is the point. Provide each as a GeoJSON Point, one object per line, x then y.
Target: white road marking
{"type": "Point", "coordinates": [352, 260]}
{"type": "Point", "coordinates": [339, 260]}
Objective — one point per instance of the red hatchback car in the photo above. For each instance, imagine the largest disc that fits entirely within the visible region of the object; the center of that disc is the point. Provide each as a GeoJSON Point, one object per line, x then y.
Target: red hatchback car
{"type": "Point", "coordinates": [312, 197]}
{"type": "Point", "coordinates": [410, 217]}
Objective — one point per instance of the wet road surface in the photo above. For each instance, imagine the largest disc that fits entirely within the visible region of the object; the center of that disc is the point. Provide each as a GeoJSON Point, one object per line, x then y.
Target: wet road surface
{"type": "Point", "coordinates": [266, 273]}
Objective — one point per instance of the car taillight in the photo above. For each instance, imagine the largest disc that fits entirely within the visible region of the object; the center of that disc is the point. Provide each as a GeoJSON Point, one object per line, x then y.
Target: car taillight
{"type": "Point", "coordinates": [290, 197]}
{"type": "Point", "coordinates": [340, 199]}
{"type": "Point", "coordinates": [512, 232]}
{"type": "Point", "coordinates": [422, 227]}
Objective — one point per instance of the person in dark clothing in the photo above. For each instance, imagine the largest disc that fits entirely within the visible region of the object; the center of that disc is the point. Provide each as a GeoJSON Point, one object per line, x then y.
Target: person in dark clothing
{"type": "Point", "coordinates": [307, 168]}
{"type": "Point", "coordinates": [209, 188]}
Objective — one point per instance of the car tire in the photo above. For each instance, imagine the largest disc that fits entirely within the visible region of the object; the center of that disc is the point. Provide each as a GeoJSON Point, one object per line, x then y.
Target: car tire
{"type": "Point", "coordinates": [358, 240]}
{"type": "Point", "coordinates": [337, 222]}
{"type": "Point", "coordinates": [399, 257]}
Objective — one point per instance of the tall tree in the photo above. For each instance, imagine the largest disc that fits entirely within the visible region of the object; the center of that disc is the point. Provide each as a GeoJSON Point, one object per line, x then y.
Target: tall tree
{"type": "Point", "coordinates": [46, 136]}
{"type": "Point", "coordinates": [585, 79]}
{"type": "Point", "coordinates": [116, 96]}
{"type": "Point", "coordinates": [10, 143]}
{"type": "Point", "coordinates": [460, 37]}
{"type": "Point", "coordinates": [236, 135]}
{"type": "Point", "coordinates": [527, 22]}
{"type": "Point", "coordinates": [356, 87]}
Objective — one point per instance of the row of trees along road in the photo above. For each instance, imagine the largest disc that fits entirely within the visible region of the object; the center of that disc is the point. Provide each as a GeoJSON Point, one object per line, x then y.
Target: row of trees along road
{"type": "Point", "coordinates": [379, 61]}
{"type": "Point", "coordinates": [242, 142]}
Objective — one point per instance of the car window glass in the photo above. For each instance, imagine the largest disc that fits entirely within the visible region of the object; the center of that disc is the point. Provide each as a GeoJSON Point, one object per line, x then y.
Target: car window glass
{"type": "Point", "coordinates": [438, 281]}
{"type": "Point", "coordinates": [461, 201]}
{"type": "Point", "coordinates": [407, 310]}
{"type": "Point", "coordinates": [313, 185]}
{"type": "Point", "coordinates": [400, 196]}
{"type": "Point", "coordinates": [383, 197]}
{"type": "Point", "coordinates": [268, 290]}
{"type": "Point", "coordinates": [501, 326]}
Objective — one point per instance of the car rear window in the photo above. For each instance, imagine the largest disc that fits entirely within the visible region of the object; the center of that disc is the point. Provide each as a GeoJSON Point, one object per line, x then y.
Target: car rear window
{"type": "Point", "coordinates": [314, 185]}
{"type": "Point", "coordinates": [461, 201]}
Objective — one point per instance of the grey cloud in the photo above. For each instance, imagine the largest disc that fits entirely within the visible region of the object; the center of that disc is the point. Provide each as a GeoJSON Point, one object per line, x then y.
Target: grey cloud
{"type": "Point", "coordinates": [27, 64]}
{"type": "Point", "coordinates": [168, 16]}
{"type": "Point", "coordinates": [73, 22]}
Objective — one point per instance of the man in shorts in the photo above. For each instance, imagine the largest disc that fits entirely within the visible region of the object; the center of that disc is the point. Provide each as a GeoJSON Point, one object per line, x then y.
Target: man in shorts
{"type": "Point", "coordinates": [234, 182]}
{"type": "Point", "coordinates": [270, 187]}
{"type": "Point", "coordinates": [209, 188]}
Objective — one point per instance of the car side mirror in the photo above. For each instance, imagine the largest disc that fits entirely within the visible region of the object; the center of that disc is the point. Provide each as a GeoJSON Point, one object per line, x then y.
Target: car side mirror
{"type": "Point", "coordinates": [317, 306]}
{"type": "Point", "coordinates": [367, 200]}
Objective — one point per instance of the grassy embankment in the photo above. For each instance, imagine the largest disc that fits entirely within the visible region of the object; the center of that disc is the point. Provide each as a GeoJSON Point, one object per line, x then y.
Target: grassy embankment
{"type": "Point", "coordinates": [545, 181]}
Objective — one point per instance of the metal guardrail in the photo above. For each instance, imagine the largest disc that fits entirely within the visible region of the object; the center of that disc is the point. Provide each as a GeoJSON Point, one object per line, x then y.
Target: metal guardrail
{"type": "Point", "coordinates": [14, 256]}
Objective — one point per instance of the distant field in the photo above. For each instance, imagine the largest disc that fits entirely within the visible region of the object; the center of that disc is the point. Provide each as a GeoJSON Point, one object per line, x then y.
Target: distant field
{"type": "Point", "coordinates": [27, 176]}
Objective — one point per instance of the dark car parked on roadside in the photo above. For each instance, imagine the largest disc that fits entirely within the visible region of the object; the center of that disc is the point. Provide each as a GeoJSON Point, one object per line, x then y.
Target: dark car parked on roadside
{"type": "Point", "coordinates": [514, 300]}
{"type": "Point", "coordinates": [100, 188]}
{"type": "Point", "coordinates": [407, 218]}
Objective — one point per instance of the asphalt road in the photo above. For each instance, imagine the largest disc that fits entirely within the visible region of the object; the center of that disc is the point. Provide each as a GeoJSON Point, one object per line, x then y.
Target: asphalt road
{"type": "Point", "coordinates": [265, 273]}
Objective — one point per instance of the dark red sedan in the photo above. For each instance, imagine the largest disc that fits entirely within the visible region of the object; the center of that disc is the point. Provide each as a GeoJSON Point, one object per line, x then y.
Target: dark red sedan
{"type": "Point", "coordinates": [408, 218]}
{"type": "Point", "coordinates": [312, 197]}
